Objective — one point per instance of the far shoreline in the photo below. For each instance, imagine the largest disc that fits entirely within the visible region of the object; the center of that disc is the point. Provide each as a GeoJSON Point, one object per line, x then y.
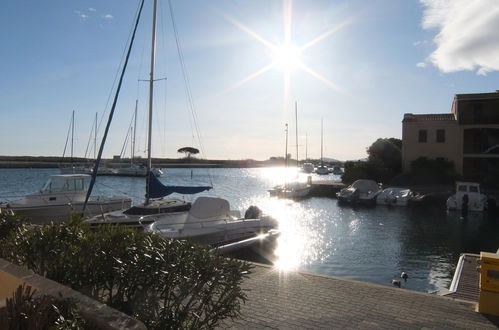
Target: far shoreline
{"type": "Point", "coordinates": [57, 162]}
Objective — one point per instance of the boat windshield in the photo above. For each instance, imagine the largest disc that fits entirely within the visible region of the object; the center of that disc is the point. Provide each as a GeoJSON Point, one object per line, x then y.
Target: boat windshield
{"type": "Point", "coordinates": [60, 184]}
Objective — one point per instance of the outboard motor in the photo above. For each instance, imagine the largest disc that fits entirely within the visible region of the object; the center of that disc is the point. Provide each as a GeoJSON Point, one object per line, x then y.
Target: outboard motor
{"type": "Point", "coordinates": [253, 212]}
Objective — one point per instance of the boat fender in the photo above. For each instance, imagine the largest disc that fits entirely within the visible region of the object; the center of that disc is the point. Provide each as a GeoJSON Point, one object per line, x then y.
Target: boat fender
{"type": "Point", "coordinates": [253, 212]}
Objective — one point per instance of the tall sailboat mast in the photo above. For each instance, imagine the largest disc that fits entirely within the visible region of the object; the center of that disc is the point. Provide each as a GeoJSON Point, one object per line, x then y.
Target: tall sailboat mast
{"type": "Point", "coordinates": [95, 137]}
{"type": "Point", "coordinates": [296, 132]}
{"type": "Point", "coordinates": [151, 94]}
{"type": "Point", "coordinates": [134, 130]}
{"type": "Point", "coordinates": [322, 138]}
{"type": "Point", "coordinates": [72, 133]}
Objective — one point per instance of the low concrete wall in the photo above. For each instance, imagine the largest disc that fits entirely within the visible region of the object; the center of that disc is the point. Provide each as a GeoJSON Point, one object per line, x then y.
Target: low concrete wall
{"type": "Point", "coordinates": [96, 314]}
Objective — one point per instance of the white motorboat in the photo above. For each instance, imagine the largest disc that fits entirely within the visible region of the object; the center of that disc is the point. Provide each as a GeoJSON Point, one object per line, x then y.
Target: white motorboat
{"type": "Point", "coordinates": [211, 221]}
{"type": "Point", "coordinates": [361, 191]}
{"type": "Point", "coordinates": [394, 196]}
{"type": "Point", "coordinates": [61, 196]}
{"type": "Point", "coordinates": [322, 170]}
{"type": "Point", "coordinates": [292, 190]}
{"type": "Point", "coordinates": [467, 195]}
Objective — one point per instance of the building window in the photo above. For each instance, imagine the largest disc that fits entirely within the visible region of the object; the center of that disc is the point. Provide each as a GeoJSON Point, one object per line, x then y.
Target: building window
{"type": "Point", "coordinates": [422, 136]}
{"type": "Point", "coordinates": [440, 135]}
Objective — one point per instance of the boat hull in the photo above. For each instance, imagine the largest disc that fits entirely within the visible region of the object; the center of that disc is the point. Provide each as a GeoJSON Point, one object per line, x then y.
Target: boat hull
{"type": "Point", "coordinates": [40, 214]}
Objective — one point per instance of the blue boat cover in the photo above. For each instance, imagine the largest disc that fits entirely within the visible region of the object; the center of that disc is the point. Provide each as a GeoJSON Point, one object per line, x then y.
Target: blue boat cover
{"type": "Point", "coordinates": [157, 189]}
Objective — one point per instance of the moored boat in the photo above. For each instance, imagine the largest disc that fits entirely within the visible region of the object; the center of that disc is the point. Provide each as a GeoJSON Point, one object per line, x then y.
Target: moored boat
{"type": "Point", "coordinates": [394, 196]}
{"type": "Point", "coordinates": [467, 196]}
{"type": "Point", "coordinates": [61, 196]}
{"type": "Point", "coordinates": [211, 221]}
{"type": "Point", "coordinates": [360, 192]}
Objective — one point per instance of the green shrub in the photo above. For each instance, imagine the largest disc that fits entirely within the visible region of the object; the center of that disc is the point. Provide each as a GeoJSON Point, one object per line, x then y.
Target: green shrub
{"type": "Point", "coordinates": [9, 223]}
{"type": "Point", "coordinates": [25, 311]}
{"type": "Point", "coordinates": [166, 284]}
{"type": "Point", "coordinates": [433, 171]}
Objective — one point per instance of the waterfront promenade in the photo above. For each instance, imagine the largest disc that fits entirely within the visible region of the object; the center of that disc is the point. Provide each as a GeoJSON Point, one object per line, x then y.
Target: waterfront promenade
{"type": "Point", "coordinates": [297, 300]}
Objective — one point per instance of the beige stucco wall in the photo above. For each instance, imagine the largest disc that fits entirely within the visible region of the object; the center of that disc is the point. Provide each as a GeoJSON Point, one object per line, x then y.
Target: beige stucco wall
{"type": "Point", "coordinates": [451, 149]}
{"type": "Point", "coordinates": [8, 284]}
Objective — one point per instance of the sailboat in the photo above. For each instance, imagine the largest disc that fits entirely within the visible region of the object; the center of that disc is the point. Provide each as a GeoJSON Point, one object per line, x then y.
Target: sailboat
{"type": "Point", "coordinates": [322, 169]}
{"type": "Point", "coordinates": [133, 169]}
{"type": "Point", "coordinates": [78, 168]}
{"type": "Point", "coordinates": [72, 168]}
{"type": "Point", "coordinates": [208, 220]}
{"type": "Point", "coordinates": [294, 189]}
{"type": "Point", "coordinates": [307, 167]}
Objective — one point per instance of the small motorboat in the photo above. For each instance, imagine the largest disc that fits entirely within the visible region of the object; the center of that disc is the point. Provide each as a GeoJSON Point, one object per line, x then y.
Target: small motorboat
{"type": "Point", "coordinates": [292, 190]}
{"type": "Point", "coordinates": [394, 196]}
{"type": "Point", "coordinates": [467, 195]}
{"type": "Point", "coordinates": [322, 170]}
{"type": "Point", "coordinates": [211, 221]}
{"type": "Point", "coordinates": [61, 196]}
{"type": "Point", "coordinates": [360, 192]}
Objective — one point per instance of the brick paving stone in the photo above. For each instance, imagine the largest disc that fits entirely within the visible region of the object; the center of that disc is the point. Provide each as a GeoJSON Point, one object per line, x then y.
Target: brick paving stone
{"type": "Point", "coordinates": [298, 300]}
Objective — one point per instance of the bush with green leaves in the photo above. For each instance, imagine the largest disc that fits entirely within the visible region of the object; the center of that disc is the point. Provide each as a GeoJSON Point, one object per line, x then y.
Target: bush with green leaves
{"type": "Point", "coordinates": [382, 165]}
{"type": "Point", "coordinates": [166, 284]}
{"type": "Point", "coordinates": [27, 311]}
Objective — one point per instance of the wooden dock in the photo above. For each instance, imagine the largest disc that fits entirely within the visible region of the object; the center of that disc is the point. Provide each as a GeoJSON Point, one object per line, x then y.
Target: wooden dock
{"type": "Point", "coordinates": [465, 284]}
{"type": "Point", "coordinates": [325, 188]}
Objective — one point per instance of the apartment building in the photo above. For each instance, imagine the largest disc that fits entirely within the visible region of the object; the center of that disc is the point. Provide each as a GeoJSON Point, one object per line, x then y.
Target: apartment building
{"type": "Point", "coordinates": [468, 136]}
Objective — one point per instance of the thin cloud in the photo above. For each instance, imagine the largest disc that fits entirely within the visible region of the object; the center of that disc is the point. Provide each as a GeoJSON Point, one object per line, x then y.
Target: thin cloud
{"type": "Point", "coordinates": [108, 16]}
{"type": "Point", "coordinates": [419, 43]}
{"type": "Point", "coordinates": [467, 37]}
{"type": "Point", "coordinates": [92, 9]}
{"type": "Point", "coordinates": [421, 65]}
{"type": "Point", "coordinates": [81, 15]}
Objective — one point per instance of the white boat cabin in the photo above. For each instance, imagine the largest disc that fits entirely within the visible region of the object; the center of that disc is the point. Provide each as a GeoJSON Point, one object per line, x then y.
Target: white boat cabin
{"type": "Point", "coordinates": [72, 187]}
{"type": "Point", "coordinates": [474, 200]}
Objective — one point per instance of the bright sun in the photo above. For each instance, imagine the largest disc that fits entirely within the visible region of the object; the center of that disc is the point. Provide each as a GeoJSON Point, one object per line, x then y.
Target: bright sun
{"type": "Point", "coordinates": [286, 57]}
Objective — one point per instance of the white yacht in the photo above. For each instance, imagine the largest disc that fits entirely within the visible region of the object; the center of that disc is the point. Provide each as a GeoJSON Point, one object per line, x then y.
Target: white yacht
{"type": "Point", "coordinates": [211, 221]}
{"type": "Point", "coordinates": [394, 196]}
{"type": "Point", "coordinates": [361, 191]}
{"type": "Point", "coordinates": [476, 200]}
{"type": "Point", "coordinates": [61, 196]}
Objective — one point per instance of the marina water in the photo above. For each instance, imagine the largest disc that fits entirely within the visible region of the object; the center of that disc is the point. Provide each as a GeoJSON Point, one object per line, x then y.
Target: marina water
{"type": "Point", "coordinates": [368, 244]}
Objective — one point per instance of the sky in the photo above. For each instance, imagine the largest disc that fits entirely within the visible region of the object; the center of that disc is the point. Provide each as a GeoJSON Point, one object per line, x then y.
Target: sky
{"type": "Point", "coordinates": [357, 65]}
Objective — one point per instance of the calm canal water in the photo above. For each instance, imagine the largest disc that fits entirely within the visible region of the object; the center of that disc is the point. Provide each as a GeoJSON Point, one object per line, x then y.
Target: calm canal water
{"type": "Point", "coordinates": [318, 235]}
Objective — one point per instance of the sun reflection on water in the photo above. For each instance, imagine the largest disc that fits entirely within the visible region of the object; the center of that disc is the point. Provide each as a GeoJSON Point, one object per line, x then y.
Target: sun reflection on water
{"type": "Point", "coordinates": [302, 238]}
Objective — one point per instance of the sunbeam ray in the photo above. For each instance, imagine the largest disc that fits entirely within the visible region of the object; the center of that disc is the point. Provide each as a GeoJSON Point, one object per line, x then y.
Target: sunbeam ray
{"type": "Point", "coordinates": [321, 78]}
{"type": "Point", "coordinates": [327, 34]}
{"type": "Point", "coordinates": [253, 75]}
{"type": "Point", "coordinates": [248, 31]}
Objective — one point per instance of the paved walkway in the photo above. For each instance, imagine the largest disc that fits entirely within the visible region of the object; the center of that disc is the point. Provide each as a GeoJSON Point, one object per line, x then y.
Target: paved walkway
{"type": "Point", "coordinates": [295, 300]}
